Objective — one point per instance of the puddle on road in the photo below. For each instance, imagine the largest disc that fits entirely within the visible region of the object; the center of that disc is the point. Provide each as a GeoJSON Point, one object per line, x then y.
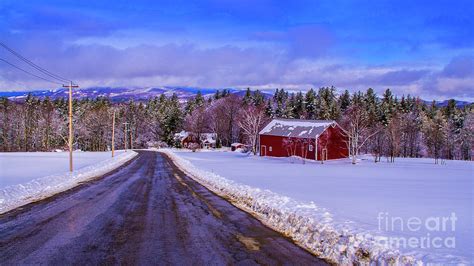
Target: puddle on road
{"type": "Point", "coordinates": [249, 243]}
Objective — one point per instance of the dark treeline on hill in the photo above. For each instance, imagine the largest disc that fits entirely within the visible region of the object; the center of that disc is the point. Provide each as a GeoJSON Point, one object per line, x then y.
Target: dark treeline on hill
{"type": "Point", "coordinates": [387, 126]}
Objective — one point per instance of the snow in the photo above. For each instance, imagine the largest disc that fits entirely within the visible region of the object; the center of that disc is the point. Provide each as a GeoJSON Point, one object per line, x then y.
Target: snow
{"type": "Point", "coordinates": [333, 209]}
{"type": "Point", "coordinates": [26, 177]}
{"type": "Point", "coordinates": [181, 135]}
{"type": "Point", "coordinates": [42, 164]}
{"type": "Point", "coordinates": [208, 138]}
{"type": "Point", "coordinates": [296, 127]}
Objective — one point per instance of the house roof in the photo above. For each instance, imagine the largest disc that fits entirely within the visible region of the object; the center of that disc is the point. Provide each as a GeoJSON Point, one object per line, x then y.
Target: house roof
{"type": "Point", "coordinates": [296, 128]}
{"type": "Point", "coordinates": [208, 137]}
{"type": "Point", "coordinates": [181, 135]}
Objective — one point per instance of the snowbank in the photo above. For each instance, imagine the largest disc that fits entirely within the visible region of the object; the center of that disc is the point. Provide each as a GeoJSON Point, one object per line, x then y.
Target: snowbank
{"type": "Point", "coordinates": [307, 224]}
{"type": "Point", "coordinates": [20, 194]}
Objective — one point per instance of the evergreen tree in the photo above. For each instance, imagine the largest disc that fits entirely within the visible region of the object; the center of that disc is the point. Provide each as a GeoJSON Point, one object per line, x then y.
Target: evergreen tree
{"type": "Point", "coordinates": [247, 100]}
{"type": "Point", "coordinates": [299, 106]}
{"type": "Point", "coordinates": [290, 107]}
{"type": "Point", "coordinates": [217, 95]}
{"type": "Point", "coordinates": [344, 100]}
{"type": "Point", "coordinates": [310, 104]}
{"type": "Point", "coordinates": [388, 107]}
{"type": "Point", "coordinates": [173, 119]}
{"type": "Point", "coordinates": [371, 104]}
{"type": "Point", "coordinates": [269, 109]}
{"type": "Point", "coordinates": [258, 99]}
{"type": "Point", "coordinates": [327, 107]}
{"type": "Point", "coordinates": [198, 99]}
{"type": "Point", "coordinates": [450, 110]}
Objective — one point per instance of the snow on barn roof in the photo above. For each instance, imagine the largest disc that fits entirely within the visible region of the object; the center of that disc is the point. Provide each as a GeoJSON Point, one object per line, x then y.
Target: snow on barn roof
{"type": "Point", "coordinates": [296, 128]}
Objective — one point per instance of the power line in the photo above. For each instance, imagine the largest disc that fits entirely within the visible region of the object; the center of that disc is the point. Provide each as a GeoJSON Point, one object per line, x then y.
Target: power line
{"type": "Point", "coordinates": [27, 72]}
{"type": "Point", "coordinates": [44, 71]}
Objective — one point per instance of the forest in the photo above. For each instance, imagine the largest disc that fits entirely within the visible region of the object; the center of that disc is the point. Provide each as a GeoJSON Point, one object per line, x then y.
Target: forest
{"type": "Point", "coordinates": [385, 125]}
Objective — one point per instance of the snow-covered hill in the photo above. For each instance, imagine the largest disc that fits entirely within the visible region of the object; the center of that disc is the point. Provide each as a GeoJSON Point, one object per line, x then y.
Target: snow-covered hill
{"type": "Point", "coordinates": [118, 94]}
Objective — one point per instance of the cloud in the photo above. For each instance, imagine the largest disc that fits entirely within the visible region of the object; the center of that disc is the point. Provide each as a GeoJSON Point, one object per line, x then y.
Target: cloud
{"type": "Point", "coordinates": [394, 77]}
{"type": "Point", "coordinates": [232, 66]}
{"type": "Point", "coordinates": [310, 41]}
{"type": "Point", "coordinates": [304, 41]}
{"type": "Point", "coordinates": [455, 79]}
{"type": "Point", "coordinates": [459, 67]}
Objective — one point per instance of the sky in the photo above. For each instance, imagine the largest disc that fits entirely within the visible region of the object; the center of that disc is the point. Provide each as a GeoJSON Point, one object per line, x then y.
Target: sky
{"type": "Point", "coordinates": [422, 48]}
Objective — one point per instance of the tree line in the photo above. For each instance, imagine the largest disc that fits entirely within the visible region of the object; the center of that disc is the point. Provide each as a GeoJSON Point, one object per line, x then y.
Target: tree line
{"type": "Point", "coordinates": [385, 126]}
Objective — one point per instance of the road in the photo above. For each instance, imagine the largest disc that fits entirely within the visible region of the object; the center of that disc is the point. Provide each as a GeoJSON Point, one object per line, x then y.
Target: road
{"type": "Point", "coordinates": [146, 212]}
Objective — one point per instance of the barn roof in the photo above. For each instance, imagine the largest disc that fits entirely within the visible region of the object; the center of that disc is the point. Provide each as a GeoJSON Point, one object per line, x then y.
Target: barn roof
{"type": "Point", "coordinates": [296, 128]}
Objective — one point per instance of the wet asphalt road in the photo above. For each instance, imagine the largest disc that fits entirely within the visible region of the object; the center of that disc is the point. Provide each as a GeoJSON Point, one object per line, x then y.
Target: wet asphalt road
{"type": "Point", "coordinates": [147, 213]}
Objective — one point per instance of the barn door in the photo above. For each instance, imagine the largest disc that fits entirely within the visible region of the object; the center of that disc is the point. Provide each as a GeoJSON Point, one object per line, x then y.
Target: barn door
{"type": "Point", "coordinates": [263, 150]}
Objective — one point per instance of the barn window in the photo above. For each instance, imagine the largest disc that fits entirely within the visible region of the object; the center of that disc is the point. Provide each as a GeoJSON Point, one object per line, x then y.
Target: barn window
{"type": "Point", "coordinates": [270, 148]}
{"type": "Point", "coordinates": [310, 148]}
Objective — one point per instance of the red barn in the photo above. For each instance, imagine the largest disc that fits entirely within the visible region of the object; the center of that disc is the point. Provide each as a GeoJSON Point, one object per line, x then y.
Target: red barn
{"type": "Point", "coordinates": [310, 139]}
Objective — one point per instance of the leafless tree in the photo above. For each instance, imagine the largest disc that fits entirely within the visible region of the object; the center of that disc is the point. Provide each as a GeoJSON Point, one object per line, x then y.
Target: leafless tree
{"type": "Point", "coordinates": [197, 122]}
{"type": "Point", "coordinates": [251, 120]}
{"type": "Point", "coordinates": [434, 135]}
{"type": "Point", "coordinates": [232, 105]}
{"type": "Point", "coordinates": [411, 134]}
{"type": "Point", "coordinates": [377, 144]}
{"type": "Point", "coordinates": [357, 129]}
{"type": "Point", "coordinates": [393, 133]}
{"type": "Point", "coordinates": [297, 147]}
{"type": "Point", "coordinates": [466, 139]}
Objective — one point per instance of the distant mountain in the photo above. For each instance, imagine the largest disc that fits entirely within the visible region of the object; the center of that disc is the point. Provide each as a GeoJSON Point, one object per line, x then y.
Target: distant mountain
{"type": "Point", "coordinates": [122, 94]}
{"type": "Point", "coordinates": [458, 103]}
{"type": "Point", "coordinates": [115, 94]}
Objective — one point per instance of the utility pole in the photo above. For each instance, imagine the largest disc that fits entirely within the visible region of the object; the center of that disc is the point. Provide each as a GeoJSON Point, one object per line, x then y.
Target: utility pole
{"type": "Point", "coordinates": [131, 139]}
{"type": "Point", "coordinates": [125, 135]}
{"type": "Point", "coordinates": [70, 86]}
{"type": "Point", "coordinates": [113, 134]}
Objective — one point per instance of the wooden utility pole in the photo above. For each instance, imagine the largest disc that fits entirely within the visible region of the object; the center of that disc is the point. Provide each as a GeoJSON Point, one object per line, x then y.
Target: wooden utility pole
{"type": "Point", "coordinates": [125, 135]}
{"type": "Point", "coordinates": [70, 86]}
{"type": "Point", "coordinates": [113, 134]}
{"type": "Point", "coordinates": [131, 139]}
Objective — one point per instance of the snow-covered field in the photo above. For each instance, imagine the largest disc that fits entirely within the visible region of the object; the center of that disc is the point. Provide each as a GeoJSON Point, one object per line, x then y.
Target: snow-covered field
{"type": "Point", "coordinates": [424, 210]}
{"type": "Point", "coordinates": [29, 176]}
{"type": "Point", "coordinates": [21, 167]}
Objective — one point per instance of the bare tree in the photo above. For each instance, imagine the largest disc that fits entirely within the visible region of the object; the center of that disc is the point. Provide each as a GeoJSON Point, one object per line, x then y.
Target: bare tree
{"type": "Point", "coordinates": [232, 105]}
{"type": "Point", "coordinates": [393, 133]}
{"type": "Point", "coordinates": [297, 147]}
{"type": "Point", "coordinates": [434, 134]}
{"type": "Point", "coordinates": [357, 129]}
{"type": "Point", "coordinates": [197, 122]}
{"type": "Point", "coordinates": [466, 139]}
{"type": "Point", "coordinates": [411, 134]}
{"type": "Point", "coordinates": [251, 120]}
{"type": "Point", "coordinates": [377, 143]}
{"type": "Point", "coordinates": [290, 145]}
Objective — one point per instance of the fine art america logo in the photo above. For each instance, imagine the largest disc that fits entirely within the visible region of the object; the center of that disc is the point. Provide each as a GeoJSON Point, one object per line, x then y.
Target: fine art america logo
{"type": "Point", "coordinates": [433, 231]}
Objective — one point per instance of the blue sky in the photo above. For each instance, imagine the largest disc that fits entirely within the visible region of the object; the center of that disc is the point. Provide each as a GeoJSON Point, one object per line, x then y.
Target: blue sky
{"type": "Point", "coordinates": [423, 48]}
